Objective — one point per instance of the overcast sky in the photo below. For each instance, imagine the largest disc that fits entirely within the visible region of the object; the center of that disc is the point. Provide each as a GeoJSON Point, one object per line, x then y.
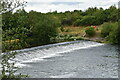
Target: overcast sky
{"type": "Point", "coordinates": [45, 6]}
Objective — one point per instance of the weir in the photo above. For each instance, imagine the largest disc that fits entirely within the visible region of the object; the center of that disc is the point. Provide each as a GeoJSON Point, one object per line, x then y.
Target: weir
{"type": "Point", "coordinates": [52, 50]}
{"type": "Point", "coordinates": [75, 59]}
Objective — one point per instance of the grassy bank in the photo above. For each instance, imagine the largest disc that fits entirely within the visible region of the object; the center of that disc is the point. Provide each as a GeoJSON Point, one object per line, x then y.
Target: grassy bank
{"type": "Point", "coordinates": [78, 32]}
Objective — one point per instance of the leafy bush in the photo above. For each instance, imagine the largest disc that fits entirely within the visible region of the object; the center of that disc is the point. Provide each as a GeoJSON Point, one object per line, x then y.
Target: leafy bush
{"type": "Point", "coordinates": [77, 22]}
{"type": "Point", "coordinates": [107, 28]}
{"type": "Point", "coordinates": [90, 31]}
{"type": "Point", "coordinates": [114, 36]}
{"type": "Point", "coordinates": [88, 20]}
{"type": "Point", "coordinates": [42, 31]}
{"type": "Point", "coordinates": [13, 37]}
{"type": "Point", "coordinates": [85, 21]}
{"type": "Point", "coordinates": [66, 21]}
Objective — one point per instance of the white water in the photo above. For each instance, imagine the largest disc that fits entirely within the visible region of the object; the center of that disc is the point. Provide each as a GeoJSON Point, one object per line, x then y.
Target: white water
{"type": "Point", "coordinates": [39, 53]}
{"type": "Point", "coordinates": [47, 51]}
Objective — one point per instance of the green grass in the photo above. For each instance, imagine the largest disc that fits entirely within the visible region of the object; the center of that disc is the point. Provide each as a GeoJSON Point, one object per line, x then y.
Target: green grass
{"type": "Point", "coordinates": [79, 31]}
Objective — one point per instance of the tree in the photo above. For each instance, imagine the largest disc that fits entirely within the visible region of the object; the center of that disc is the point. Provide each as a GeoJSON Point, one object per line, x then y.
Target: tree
{"type": "Point", "coordinates": [114, 36]}
{"type": "Point", "coordinates": [10, 5]}
{"type": "Point", "coordinates": [43, 28]}
{"type": "Point", "coordinates": [66, 21]}
{"type": "Point", "coordinates": [113, 14]}
{"type": "Point", "coordinates": [9, 69]}
{"type": "Point", "coordinates": [107, 28]}
{"type": "Point", "coordinates": [87, 21]}
{"type": "Point", "coordinates": [91, 11]}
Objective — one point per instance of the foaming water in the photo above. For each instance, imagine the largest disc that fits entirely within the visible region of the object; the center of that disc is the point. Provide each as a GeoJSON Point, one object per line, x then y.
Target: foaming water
{"type": "Point", "coordinates": [39, 53]}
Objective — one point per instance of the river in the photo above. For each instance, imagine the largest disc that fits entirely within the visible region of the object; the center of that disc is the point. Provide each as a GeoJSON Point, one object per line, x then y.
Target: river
{"type": "Point", "coordinates": [76, 59]}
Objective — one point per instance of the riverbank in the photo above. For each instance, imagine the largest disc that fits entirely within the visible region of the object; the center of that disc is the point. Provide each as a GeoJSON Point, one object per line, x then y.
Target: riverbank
{"type": "Point", "coordinates": [69, 33]}
{"type": "Point", "coordinates": [77, 33]}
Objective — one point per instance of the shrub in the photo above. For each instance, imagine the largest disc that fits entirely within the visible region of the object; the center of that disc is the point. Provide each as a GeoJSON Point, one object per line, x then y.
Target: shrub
{"type": "Point", "coordinates": [66, 21]}
{"type": "Point", "coordinates": [114, 36]}
{"type": "Point", "coordinates": [88, 20]}
{"type": "Point", "coordinates": [90, 31]}
{"type": "Point", "coordinates": [85, 21]}
{"type": "Point", "coordinates": [43, 30]}
{"type": "Point", "coordinates": [107, 28]}
{"type": "Point", "coordinates": [77, 22]}
{"type": "Point", "coordinates": [18, 35]}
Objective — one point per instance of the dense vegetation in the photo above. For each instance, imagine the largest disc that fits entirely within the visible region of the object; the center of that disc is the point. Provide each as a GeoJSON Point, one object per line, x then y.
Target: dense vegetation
{"type": "Point", "coordinates": [8, 68]}
{"type": "Point", "coordinates": [27, 29]}
{"type": "Point", "coordinates": [90, 31]}
{"type": "Point", "coordinates": [30, 29]}
{"type": "Point", "coordinates": [111, 31]}
{"type": "Point", "coordinates": [35, 28]}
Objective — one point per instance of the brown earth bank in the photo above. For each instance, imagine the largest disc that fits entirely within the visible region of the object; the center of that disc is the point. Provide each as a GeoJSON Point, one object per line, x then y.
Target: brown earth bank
{"type": "Point", "coordinates": [80, 32]}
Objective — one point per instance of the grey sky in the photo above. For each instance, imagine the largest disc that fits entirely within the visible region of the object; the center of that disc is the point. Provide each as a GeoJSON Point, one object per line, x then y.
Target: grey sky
{"type": "Point", "coordinates": [66, 5]}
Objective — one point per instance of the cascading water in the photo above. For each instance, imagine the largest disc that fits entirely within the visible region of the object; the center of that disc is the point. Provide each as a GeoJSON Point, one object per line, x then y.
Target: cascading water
{"type": "Point", "coordinates": [75, 59]}
{"type": "Point", "coordinates": [41, 52]}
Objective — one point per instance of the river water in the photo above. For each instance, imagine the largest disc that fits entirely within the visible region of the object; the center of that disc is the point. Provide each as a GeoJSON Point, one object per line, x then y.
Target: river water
{"type": "Point", "coordinates": [76, 59]}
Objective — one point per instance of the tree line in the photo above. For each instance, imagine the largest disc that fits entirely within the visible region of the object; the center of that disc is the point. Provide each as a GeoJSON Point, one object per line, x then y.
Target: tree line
{"type": "Point", "coordinates": [36, 28]}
